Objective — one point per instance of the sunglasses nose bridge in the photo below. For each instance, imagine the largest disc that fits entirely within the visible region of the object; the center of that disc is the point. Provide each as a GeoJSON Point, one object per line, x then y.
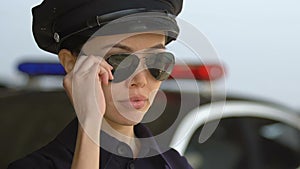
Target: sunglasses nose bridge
{"type": "Point", "coordinates": [142, 67]}
{"type": "Point", "coordinates": [142, 61]}
{"type": "Point", "coordinates": [142, 64]}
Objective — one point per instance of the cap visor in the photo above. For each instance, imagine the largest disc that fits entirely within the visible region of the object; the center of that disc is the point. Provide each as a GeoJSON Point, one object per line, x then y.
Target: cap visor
{"type": "Point", "coordinates": [141, 22]}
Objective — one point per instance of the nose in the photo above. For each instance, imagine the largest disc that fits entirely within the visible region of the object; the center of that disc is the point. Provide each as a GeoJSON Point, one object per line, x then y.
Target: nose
{"type": "Point", "coordinates": [140, 79]}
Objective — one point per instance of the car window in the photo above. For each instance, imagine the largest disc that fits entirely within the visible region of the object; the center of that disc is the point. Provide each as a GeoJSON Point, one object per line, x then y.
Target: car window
{"type": "Point", "coordinates": [246, 143]}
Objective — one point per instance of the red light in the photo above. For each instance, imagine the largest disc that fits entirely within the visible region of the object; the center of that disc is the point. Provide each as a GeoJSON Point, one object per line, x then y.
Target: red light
{"type": "Point", "coordinates": [198, 72]}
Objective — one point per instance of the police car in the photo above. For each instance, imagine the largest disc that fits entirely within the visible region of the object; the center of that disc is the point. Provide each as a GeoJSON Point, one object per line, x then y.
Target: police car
{"type": "Point", "coordinates": [211, 130]}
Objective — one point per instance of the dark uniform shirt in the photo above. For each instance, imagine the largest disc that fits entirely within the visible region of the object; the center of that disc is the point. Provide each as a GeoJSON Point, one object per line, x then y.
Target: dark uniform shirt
{"type": "Point", "coordinates": [58, 154]}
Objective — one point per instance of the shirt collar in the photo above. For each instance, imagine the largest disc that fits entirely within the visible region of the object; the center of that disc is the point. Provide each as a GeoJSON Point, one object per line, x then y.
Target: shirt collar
{"type": "Point", "coordinates": [68, 138]}
{"type": "Point", "coordinates": [148, 143]}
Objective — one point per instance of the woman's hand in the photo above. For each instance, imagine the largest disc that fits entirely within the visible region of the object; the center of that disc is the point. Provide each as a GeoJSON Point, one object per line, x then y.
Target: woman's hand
{"type": "Point", "coordinates": [83, 86]}
{"type": "Point", "coordinates": [83, 83]}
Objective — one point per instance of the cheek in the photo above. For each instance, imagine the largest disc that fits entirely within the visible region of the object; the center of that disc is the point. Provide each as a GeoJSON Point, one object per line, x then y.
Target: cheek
{"type": "Point", "coordinates": [154, 89]}
{"type": "Point", "coordinates": [155, 85]}
{"type": "Point", "coordinates": [107, 94]}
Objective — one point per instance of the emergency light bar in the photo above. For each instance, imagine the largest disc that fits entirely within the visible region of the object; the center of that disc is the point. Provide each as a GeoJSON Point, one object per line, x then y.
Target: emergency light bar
{"type": "Point", "coordinates": [40, 68]}
{"type": "Point", "coordinates": [198, 72]}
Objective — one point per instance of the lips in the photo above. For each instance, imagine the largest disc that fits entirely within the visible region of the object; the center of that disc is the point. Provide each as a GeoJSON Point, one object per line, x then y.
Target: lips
{"type": "Point", "coordinates": [137, 102]}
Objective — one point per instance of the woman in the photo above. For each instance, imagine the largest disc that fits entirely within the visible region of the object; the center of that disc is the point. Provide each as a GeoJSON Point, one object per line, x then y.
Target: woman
{"type": "Point", "coordinates": [112, 77]}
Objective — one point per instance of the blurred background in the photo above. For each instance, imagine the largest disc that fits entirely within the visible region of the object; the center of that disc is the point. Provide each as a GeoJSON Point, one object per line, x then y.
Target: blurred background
{"type": "Point", "coordinates": [258, 41]}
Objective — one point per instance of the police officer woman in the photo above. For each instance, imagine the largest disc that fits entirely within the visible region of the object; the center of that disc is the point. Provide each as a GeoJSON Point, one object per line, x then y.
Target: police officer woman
{"type": "Point", "coordinates": [115, 58]}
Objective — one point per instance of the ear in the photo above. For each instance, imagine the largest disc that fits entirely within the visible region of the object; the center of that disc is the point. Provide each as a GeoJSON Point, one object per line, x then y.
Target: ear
{"type": "Point", "coordinates": [67, 59]}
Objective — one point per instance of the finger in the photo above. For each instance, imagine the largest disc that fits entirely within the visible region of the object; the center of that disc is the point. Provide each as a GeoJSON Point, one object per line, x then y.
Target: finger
{"type": "Point", "coordinates": [108, 68]}
{"type": "Point", "coordinates": [104, 69]}
{"type": "Point", "coordinates": [85, 64]}
{"type": "Point", "coordinates": [92, 66]}
{"type": "Point", "coordinates": [104, 75]}
{"type": "Point", "coordinates": [111, 77]}
{"type": "Point", "coordinates": [99, 72]}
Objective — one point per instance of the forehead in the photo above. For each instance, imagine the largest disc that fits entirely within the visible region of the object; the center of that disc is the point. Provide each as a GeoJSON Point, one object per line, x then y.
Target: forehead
{"type": "Point", "coordinates": [130, 42]}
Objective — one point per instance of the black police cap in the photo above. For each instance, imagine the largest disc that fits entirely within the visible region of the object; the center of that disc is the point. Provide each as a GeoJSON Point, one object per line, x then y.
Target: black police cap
{"type": "Point", "coordinates": [54, 21]}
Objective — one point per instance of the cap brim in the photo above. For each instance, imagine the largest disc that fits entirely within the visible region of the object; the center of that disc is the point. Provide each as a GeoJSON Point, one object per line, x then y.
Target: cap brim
{"type": "Point", "coordinates": [138, 23]}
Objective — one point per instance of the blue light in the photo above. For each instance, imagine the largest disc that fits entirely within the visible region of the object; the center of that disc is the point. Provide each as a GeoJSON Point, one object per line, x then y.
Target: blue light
{"type": "Point", "coordinates": [38, 68]}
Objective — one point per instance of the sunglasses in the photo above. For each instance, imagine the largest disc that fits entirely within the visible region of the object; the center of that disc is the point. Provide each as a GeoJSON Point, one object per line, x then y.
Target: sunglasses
{"type": "Point", "coordinates": [160, 65]}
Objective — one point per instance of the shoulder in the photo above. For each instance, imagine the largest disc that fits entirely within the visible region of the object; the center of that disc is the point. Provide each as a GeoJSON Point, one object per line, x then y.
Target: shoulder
{"type": "Point", "coordinates": [34, 160]}
{"type": "Point", "coordinates": [58, 154]}
{"type": "Point", "coordinates": [176, 160]}
{"type": "Point", "coordinates": [31, 161]}
{"type": "Point", "coordinates": [52, 156]}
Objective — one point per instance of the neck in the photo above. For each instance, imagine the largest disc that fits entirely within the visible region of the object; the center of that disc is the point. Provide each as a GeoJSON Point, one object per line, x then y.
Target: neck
{"type": "Point", "coordinates": [122, 133]}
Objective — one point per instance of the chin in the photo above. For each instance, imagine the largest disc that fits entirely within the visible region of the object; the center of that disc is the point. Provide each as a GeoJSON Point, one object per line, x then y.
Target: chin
{"type": "Point", "coordinates": [130, 123]}
{"type": "Point", "coordinates": [133, 119]}
{"type": "Point", "coordinates": [125, 120]}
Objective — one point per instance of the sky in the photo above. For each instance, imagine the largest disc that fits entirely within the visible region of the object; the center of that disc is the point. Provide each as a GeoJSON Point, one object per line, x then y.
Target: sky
{"type": "Point", "coordinates": [257, 41]}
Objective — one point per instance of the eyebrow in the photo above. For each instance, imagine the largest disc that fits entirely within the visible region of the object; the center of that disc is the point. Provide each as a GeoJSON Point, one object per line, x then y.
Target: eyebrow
{"type": "Point", "coordinates": [127, 48]}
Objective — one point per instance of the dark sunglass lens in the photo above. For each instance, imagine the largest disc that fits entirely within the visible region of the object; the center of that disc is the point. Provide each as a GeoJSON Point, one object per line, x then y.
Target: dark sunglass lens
{"type": "Point", "coordinates": [160, 65]}
{"type": "Point", "coordinates": [159, 74]}
{"type": "Point", "coordinates": [116, 59]}
{"type": "Point", "coordinates": [123, 66]}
